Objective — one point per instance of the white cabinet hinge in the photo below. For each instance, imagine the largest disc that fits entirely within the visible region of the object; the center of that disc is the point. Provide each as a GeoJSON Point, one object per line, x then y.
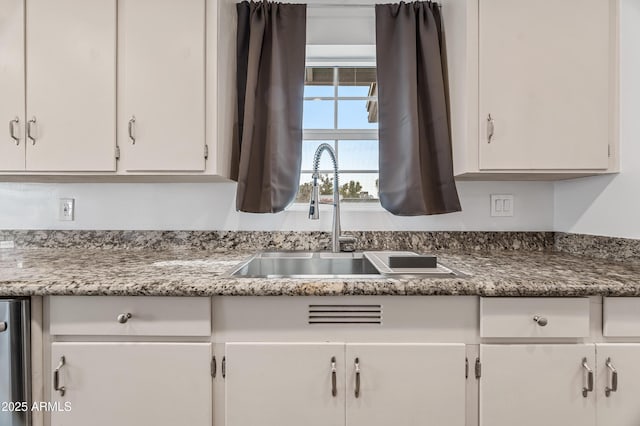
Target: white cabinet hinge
{"type": "Point", "coordinates": [206, 151]}
{"type": "Point", "coordinates": [609, 151]}
{"type": "Point", "coordinates": [117, 152]}
{"type": "Point", "coordinates": [478, 368]}
{"type": "Point", "coordinates": [214, 367]}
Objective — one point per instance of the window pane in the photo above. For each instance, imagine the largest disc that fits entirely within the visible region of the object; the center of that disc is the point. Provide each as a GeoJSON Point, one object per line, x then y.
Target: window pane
{"type": "Point", "coordinates": [318, 82]}
{"type": "Point", "coordinates": [317, 115]}
{"type": "Point", "coordinates": [304, 190]}
{"type": "Point", "coordinates": [358, 155]}
{"type": "Point", "coordinates": [356, 115]}
{"type": "Point", "coordinates": [309, 149]}
{"type": "Point", "coordinates": [354, 187]}
{"type": "Point", "coordinates": [359, 187]}
{"type": "Point", "coordinates": [356, 82]}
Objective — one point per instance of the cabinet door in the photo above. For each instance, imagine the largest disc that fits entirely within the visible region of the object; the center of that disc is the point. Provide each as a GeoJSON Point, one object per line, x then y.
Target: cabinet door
{"type": "Point", "coordinates": [544, 80]}
{"type": "Point", "coordinates": [533, 385]}
{"type": "Point", "coordinates": [620, 407]}
{"type": "Point", "coordinates": [71, 85]}
{"type": "Point", "coordinates": [161, 85]}
{"type": "Point", "coordinates": [406, 384]}
{"type": "Point", "coordinates": [129, 384]}
{"type": "Point", "coordinates": [284, 384]}
{"type": "Point", "coordinates": [12, 85]}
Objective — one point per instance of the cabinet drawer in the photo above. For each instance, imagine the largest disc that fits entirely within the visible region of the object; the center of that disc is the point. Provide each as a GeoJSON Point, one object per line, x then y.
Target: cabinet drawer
{"type": "Point", "coordinates": [621, 317]}
{"type": "Point", "coordinates": [149, 316]}
{"type": "Point", "coordinates": [534, 317]}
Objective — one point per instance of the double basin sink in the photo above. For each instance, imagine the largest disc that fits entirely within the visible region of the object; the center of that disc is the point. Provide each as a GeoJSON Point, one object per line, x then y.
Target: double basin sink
{"type": "Point", "coordinates": [333, 265]}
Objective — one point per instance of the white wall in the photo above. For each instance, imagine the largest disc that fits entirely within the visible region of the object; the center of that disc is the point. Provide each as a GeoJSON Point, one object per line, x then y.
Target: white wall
{"type": "Point", "coordinates": [610, 205]}
{"type": "Point", "coordinates": [211, 206]}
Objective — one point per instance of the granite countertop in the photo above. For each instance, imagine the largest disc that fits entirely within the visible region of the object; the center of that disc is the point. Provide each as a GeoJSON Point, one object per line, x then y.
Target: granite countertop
{"type": "Point", "coordinates": [189, 272]}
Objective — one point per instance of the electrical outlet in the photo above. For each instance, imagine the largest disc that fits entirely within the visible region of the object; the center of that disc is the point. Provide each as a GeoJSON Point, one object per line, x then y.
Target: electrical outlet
{"type": "Point", "coordinates": [8, 244]}
{"type": "Point", "coordinates": [67, 209]}
{"type": "Point", "coordinates": [502, 205]}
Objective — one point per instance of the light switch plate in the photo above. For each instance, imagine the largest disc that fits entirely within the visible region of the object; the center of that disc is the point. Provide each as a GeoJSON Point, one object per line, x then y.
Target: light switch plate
{"type": "Point", "coordinates": [67, 209]}
{"type": "Point", "coordinates": [502, 205]}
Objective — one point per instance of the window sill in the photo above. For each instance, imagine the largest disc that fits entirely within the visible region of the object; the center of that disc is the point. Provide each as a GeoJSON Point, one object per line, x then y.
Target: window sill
{"type": "Point", "coordinates": [349, 207]}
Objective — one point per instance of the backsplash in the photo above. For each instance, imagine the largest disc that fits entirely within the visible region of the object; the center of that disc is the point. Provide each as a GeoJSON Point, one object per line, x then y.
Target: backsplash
{"type": "Point", "coordinates": [609, 248]}
{"type": "Point", "coordinates": [615, 249]}
{"type": "Point", "coordinates": [281, 240]}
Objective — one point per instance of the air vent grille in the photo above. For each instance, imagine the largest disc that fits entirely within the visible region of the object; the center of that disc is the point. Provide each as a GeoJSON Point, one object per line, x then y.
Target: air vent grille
{"type": "Point", "coordinates": [345, 314]}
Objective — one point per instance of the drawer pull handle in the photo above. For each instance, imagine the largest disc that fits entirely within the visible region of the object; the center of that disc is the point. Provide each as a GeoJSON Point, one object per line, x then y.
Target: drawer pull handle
{"type": "Point", "coordinates": [334, 385]}
{"type": "Point", "coordinates": [588, 378]}
{"type": "Point", "coordinates": [541, 321]}
{"type": "Point", "coordinates": [357, 365]}
{"type": "Point", "coordinates": [123, 318]}
{"type": "Point", "coordinates": [612, 385]}
{"type": "Point", "coordinates": [56, 378]}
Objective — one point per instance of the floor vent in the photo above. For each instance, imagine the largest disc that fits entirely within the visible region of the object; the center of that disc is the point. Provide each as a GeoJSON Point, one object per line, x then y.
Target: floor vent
{"type": "Point", "coordinates": [345, 314]}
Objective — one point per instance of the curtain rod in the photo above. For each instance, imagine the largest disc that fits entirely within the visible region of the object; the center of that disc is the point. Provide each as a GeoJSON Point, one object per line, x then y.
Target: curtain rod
{"type": "Point", "coordinates": [358, 5]}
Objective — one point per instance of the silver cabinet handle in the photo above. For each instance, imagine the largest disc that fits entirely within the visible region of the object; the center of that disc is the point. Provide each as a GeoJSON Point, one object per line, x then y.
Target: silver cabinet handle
{"type": "Point", "coordinates": [3, 326]}
{"type": "Point", "coordinates": [123, 318]}
{"type": "Point", "coordinates": [56, 378]}
{"type": "Point", "coordinates": [30, 133]}
{"type": "Point", "coordinates": [334, 385]}
{"type": "Point", "coordinates": [541, 321]}
{"type": "Point", "coordinates": [132, 129]}
{"type": "Point", "coordinates": [357, 365]}
{"type": "Point", "coordinates": [12, 130]}
{"type": "Point", "coordinates": [490, 128]}
{"type": "Point", "coordinates": [612, 385]}
{"type": "Point", "coordinates": [588, 378]}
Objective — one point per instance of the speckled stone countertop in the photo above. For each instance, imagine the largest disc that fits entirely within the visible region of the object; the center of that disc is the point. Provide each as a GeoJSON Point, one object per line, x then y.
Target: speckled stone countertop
{"type": "Point", "coordinates": [190, 272]}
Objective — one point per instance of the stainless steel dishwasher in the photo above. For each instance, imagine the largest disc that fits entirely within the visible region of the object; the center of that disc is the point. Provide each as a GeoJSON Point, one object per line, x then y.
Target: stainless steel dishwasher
{"type": "Point", "coordinates": [15, 361]}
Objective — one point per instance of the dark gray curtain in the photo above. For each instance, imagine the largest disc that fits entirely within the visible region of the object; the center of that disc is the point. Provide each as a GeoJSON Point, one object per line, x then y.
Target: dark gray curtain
{"type": "Point", "coordinates": [416, 167]}
{"type": "Point", "coordinates": [270, 79]}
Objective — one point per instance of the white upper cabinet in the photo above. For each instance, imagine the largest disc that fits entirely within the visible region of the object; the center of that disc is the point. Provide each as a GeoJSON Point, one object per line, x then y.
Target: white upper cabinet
{"type": "Point", "coordinates": [544, 83]}
{"type": "Point", "coordinates": [12, 142]}
{"type": "Point", "coordinates": [161, 85]}
{"type": "Point", "coordinates": [71, 85]}
{"type": "Point", "coordinates": [533, 87]}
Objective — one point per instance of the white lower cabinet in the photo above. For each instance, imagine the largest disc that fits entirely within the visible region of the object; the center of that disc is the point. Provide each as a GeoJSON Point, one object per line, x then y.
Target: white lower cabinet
{"type": "Point", "coordinates": [131, 384]}
{"type": "Point", "coordinates": [325, 383]}
{"type": "Point", "coordinates": [618, 384]}
{"type": "Point", "coordinates": [405, 384]}
{"type": "Point", "coordinates": [533, 385]}
{"type": "Point", "coordinates": [284, 384]}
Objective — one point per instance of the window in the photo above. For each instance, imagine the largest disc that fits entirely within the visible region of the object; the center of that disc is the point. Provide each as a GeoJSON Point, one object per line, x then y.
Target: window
{"type": "Point", "coordinates": [341, 109]}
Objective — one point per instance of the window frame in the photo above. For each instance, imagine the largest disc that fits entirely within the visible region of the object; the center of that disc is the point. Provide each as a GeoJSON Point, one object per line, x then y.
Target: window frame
{"type": "Point", "coordinates": [341, 134]}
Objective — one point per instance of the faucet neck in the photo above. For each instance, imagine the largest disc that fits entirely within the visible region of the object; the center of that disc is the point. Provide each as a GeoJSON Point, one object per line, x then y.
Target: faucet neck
{"type": "Point", "coordinates": [313, 208]}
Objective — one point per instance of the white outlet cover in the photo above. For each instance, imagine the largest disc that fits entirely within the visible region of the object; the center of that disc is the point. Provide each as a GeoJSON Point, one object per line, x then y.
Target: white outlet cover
{"type": "Point", "coordinates": [8, 244]}
{"type": "Point", "coordinates": [502, 205]}
{"type": "Point", "coordinates": [67, 208]}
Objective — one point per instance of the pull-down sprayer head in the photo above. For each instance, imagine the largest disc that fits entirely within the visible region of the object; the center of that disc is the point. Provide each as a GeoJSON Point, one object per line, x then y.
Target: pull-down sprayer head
{"type": "Point", "coordinates": [314, 207]}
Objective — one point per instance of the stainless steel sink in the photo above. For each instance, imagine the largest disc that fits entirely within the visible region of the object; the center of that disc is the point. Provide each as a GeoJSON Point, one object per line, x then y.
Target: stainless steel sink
{"type": "Point", "coordinates": [331, 265]}
{"type": "Point", "coordinates": [306, 265]}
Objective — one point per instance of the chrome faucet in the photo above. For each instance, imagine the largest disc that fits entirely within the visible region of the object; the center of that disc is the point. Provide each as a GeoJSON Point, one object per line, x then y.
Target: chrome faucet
{"type": "Point", "coordinates": [314, 211]}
